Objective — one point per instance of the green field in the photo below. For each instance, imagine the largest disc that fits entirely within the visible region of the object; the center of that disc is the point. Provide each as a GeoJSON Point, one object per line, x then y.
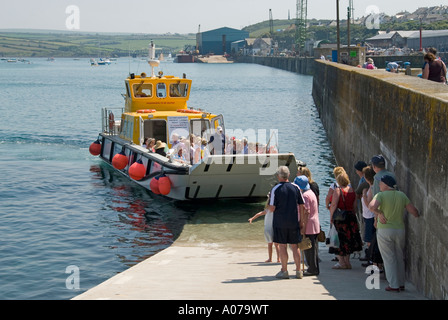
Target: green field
{"type": "Point", "coordinates": [65, 44]}
{"type": "Point", "coordinates": [42, 43]}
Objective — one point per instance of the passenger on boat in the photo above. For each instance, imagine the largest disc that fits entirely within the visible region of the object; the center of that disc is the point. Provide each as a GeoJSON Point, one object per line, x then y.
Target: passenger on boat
{"type": "Point", "coordinates": [195, 149]}
{"type": "Point", "coordinates": [245, 146]}
{"type": "Point", "coordinates": [204, 149]}
{"type": "Point", "coordinates": [150, 143]}
{"type": "Point", "coordinates": [232, 147]}
{"type": "Point", "coordinates": [174, 139]}
{"type": "Point", "coordinates": [261, 148]}
{"type": "Point", "coordinates": [218, 142]}
{"type": "Point", "coordinates": [179, 154]}
{"type": "Point", "coordinates": [160, 148]}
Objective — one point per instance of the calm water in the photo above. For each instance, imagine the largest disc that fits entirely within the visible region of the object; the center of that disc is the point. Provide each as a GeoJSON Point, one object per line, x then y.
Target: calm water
{"type": "Point", "coordinates": [61, 207]}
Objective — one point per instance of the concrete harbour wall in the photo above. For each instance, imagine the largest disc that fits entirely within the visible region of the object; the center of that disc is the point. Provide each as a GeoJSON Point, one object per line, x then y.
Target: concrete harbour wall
{"type": "Point", "coordinates": [367, 112]}
{"type": "Point", "coordinates": [306, 65]}
{"type": "Point", "coordinates": [293, 64]}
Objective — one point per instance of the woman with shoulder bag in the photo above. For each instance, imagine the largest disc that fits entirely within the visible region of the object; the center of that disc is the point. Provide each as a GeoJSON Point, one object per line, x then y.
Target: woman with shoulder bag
{"type": "Point", "coordinates": [344, 198]}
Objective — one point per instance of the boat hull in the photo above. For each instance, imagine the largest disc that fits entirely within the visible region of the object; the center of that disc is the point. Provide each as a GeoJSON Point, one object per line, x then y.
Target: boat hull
{"type": "Point", "coordinates": [239, 176]}
{"type": "Point", "coordinates": [184, 58]}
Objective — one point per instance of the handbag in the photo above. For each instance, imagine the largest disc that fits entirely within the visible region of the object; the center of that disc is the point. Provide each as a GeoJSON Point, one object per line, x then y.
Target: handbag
{"type": "Point", "coordinates": [339, 214]}
{"type": "Point", "coordinates": [305, 244]}
{"type": "Point", "coordinates": [321, 236]}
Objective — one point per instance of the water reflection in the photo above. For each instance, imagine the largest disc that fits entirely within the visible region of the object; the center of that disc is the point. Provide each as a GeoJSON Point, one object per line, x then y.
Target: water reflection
{"type": "Point", "coordinates": [141, 224]}
{"type": "Point", "coordinates": [137, 223]}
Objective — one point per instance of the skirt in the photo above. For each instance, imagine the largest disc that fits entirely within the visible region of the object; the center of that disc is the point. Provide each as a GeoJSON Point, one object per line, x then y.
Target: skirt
{"type": "Point", "coordinates": [349, 235]}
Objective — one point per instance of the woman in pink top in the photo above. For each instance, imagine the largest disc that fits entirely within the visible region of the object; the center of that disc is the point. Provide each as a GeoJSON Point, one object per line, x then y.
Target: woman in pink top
{"type": "Point", "coordinates": [311, 223]}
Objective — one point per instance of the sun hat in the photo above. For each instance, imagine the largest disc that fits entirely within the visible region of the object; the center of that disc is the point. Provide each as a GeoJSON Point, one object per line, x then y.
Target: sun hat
{"type": "Point", "coordinates": [302, 182]}
{"type": "Point", "coordinates": [159, 145]}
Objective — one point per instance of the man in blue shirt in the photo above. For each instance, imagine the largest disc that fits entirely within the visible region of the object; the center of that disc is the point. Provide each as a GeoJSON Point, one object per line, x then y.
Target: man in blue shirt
{"type": "Point", "coordinates": [379, 166]}
{"type": "Point", "coordinates": [287, 203]}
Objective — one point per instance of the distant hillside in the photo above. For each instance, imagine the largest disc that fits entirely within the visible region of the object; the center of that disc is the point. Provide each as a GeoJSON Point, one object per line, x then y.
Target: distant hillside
{"type": "Point", "coordinates": [433, 18]}
{"type": "Point", "coordinates": [69, 44]}
{"type": "Point", "coordinates": [50, 43]}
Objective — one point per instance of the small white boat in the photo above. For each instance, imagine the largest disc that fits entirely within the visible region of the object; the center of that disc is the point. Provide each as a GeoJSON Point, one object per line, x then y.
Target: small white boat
{"type": "Point", "coordinates": [103, 62]}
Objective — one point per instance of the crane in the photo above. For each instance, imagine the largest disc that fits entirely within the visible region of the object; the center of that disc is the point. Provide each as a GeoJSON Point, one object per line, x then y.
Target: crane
{"type": "Point", "coordinates": [352, 11]}
{"type": "Point", "coordinates": [301, 22]}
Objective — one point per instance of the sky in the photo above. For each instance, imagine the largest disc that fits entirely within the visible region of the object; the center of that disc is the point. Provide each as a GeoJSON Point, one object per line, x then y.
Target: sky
{"type": "Point", "coordinates": [176, 16]}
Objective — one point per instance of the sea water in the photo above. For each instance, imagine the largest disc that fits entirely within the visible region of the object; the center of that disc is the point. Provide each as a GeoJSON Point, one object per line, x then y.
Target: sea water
{"type": "Point", "coordinates": [69, 222]}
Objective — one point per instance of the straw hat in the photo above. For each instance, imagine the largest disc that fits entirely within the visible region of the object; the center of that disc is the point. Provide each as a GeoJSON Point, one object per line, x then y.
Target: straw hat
{"type": "Point", "coordinates": [159, 145]}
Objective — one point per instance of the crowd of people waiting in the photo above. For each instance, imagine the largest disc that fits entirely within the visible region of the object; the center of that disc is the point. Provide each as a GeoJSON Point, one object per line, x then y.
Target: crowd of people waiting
{"type": "Point", "coordinates": [291, 214]}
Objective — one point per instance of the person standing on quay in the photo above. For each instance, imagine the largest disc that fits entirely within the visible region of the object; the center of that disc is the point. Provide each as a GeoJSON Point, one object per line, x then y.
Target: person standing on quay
{"type": "Point", "coordinates": [268, 231]}
{"type": "Point", "coordinates": [435, 69]}
{"type": "Point", "coordinates": [379, 166]}
{"type": "Point", "coordinates": [344, 198]}
{"type": "Point", "coordinates": [388, 206]}
{"type": "Point", "coordinates": [287, 204]}
{"type": "Point", "coordinates": [311, 223]}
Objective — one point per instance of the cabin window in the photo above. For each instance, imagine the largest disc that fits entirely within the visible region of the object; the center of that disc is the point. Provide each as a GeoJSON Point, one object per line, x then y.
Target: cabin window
{"type": "Point", "coordinates": [124, 127]}
{"type": "Point", "coordinates": [155, 129]}
{"type": "Point", "coordinates": [142, 90]}
{"type": "Point", "coordinates": [199, 127]}
{"type": "Point", "coordinates": [128, 92]}
{"type": "Point", "coordinates": [128, 128]}
{"type": "Point", "coordinates": [161, 90]}
{"type": "Point", "coordinates": [179, 90]}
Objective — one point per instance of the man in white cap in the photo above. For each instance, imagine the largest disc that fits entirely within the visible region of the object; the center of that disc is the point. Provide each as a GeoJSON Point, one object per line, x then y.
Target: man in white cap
{"type": "Point", "coordinates": [218, 141]}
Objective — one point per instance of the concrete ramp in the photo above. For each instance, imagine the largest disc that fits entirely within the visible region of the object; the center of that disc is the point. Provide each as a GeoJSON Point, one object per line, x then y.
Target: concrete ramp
{"type": "Point", "coordinates": [213, 59]}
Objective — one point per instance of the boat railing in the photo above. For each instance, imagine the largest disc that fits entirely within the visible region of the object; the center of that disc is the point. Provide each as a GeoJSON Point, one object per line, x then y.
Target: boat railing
{"type": "Point", "coordinates": [111, 120]}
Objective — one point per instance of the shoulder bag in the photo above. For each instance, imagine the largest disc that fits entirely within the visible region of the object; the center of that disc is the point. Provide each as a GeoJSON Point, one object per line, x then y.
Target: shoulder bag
{"type": "Point", "coordinates": [339, 214]}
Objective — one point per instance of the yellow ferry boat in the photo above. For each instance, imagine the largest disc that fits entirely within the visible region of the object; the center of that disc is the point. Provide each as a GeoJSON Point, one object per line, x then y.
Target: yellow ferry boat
{"type": "Point", "coordinates": [189, 160]}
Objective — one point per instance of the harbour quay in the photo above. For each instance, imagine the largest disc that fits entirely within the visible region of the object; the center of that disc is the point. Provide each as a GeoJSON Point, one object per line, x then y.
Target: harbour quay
{"type": "Point", "coordinates": [193, 269]}
{"type": "Point", "coordinates": [364, 112]}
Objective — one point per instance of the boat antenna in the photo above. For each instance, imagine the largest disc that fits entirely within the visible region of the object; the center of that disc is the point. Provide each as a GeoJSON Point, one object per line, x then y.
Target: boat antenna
{"type": "Point", "coordinates": [129, 56]}
{"type": "Point", "coordinates": [152, 58]}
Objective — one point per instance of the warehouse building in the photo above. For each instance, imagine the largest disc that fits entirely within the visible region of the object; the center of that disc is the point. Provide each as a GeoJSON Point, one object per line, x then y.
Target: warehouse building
{"type": "Point", "coordinates": [219, 41]}
{"type": "Point", "coordinates": [430, 38]}
{"type": "Point", "coordinates": [411, 39]}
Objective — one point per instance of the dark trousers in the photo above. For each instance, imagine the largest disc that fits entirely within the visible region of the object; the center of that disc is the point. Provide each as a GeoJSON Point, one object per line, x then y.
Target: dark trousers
{"type": "Point", "coordinates": [312, 255]}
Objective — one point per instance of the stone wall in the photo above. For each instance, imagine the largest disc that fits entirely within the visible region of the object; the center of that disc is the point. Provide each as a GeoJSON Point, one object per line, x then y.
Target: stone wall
{"type": "Point", "coordinates": [293, 64]}
{"type": "Point", "coordinates": [368, 112]}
